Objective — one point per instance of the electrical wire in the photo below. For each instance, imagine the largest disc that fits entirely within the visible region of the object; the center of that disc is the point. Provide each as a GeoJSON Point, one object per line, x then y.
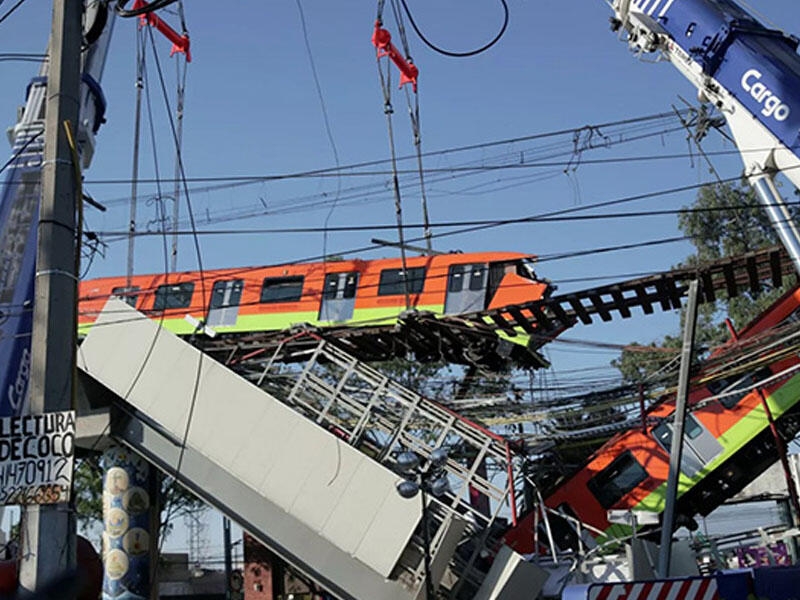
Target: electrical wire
{"type": "Point", "coordinates": [334, 172]}
{"type": "Point", "coordinates": [467, 53]}
{"type": "Point", "coordinates": [248, 214]}
{"type": "Point", "coordinates": [152, 7]}
{"type": "Point", "coordinates": [115, 233]}
{"type": "Point", "coordinates": [22, 57]}
{"type": "Point", "coordinates": [11, 10]}
{"type": "Point", "coordinates": [328, 132]}
{"type": "Point", "coordinates": [179, 158]}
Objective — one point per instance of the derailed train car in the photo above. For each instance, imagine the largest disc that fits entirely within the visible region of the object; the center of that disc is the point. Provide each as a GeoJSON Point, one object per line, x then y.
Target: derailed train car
{"type": "Point", "coordinates": [351, 293]}
{"type": "Point", "coordinates": [728, 440]}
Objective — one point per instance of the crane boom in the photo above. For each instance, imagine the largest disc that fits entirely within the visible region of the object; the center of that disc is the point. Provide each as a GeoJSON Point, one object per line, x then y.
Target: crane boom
{"type": "Point", "coordinates": [749, 72]}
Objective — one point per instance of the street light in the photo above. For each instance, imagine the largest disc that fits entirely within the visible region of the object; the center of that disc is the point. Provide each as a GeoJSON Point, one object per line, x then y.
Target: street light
{"type": "Point", "coordinates": [427, 477]}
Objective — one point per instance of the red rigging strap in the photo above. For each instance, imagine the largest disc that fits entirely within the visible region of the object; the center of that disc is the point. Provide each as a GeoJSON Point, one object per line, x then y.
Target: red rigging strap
{"type": "Point", "coordinates": [382, 40]}
{"type": "Point", "coordinates": [180, 43]}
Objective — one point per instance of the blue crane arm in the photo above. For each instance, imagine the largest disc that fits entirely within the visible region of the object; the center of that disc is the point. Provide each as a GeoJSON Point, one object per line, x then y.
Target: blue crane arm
{"type": "Point", "coordinates": [749, 72]}
{"type": "Point", "coordinates": [19, 211]}
{"type": "Point", "coordinates": [734, 61]}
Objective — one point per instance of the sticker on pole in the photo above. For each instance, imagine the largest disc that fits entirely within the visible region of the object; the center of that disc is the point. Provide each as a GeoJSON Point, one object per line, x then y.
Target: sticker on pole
{"type": "Point", "coordinates": [36, 458]}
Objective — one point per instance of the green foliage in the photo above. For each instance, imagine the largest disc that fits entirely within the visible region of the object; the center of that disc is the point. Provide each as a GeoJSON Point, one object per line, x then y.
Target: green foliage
{"type": "Point", "coordinates": [638, 363]}
{"type": "Point", "coordinates": [87, 483]}
{"type": "Point", "coordinates": [725, 220]}
{"type": "Point", "coordinates": [88, 496]}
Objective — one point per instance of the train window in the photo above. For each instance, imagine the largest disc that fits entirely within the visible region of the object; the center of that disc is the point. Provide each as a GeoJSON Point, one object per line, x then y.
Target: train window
{"type": "Point", "coordinates": [663, 435]}
{"type": "Point", "coordinates": [281, 289]}
{"type": "Point", "coordinates": [617, 479]}
{"type": "Point", "coordinates": [226, 293]}
{"type": "Point", "coordinates": [478, 279]}
{"type": "Point", "coordinates": [347, 282]}
{"type": "Point", "coordinates": [663, 432]}
{"type": "Point", "coordinates": [129, 295]}
{"type": "Point", "coordinates": [331, 286]}
{"type": "Point", "coordinates": [173, 295]}
{"type": "Point", "coordinates": [458, 273]}
{"type": "Point", "coordinates": [691, 428]}
{"type": "Point", "coordinates": [393, 281]}
{"type": "Point", "coordinates": [455, 278]}
{"type": "Point", "coordinates": [525, 269]}
{"type": "Point", "coordinates": [350, 285]}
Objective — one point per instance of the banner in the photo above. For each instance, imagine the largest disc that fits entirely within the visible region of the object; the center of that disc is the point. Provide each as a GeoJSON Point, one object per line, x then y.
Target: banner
{"type": "Point", "coordinates": [36, 458]}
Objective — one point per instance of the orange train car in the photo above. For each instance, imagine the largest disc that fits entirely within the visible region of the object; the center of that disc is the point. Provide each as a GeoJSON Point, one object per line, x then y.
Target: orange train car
{"type": "Point", "coordinates": [348, 292]}
{"type": "Point", "coordinates": [727, 442]}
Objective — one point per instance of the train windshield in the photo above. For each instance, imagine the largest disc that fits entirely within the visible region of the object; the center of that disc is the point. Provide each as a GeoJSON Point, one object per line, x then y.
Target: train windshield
{"type": "Point", "coordinates": [525, 269]}
{"type": "Point", "coordinates": [611, 484]}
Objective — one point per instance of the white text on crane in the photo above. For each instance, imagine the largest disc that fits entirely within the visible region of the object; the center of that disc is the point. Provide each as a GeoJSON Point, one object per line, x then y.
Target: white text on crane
{"type": "Point", "coordinates": [773, 105]}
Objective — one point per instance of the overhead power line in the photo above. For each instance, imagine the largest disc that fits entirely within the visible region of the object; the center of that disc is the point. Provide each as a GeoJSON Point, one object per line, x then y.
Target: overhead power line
{"type": "Point", "coordinates": [346, 170]}
{"type": "Point", "coordinates": [445, 224]}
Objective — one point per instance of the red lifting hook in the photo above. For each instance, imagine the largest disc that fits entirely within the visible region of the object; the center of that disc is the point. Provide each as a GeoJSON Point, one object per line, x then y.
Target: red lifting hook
{"type": "Point", "coordinates": [180, 43]}
{"type": "Point", "coordinates": [382, 40]}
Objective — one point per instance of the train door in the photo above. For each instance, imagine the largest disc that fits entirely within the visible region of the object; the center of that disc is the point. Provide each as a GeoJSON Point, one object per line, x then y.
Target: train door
{"type": "Point", "coordinates": [699, 447]}
{"type": "Point", "coordinates": [466, 288]}
{"type": "Point", "coordinates": [701, 440]}
{"type": "Point", "coordinates": [338, 297]}
{"type": "Point", "coordinates": [225, 299]}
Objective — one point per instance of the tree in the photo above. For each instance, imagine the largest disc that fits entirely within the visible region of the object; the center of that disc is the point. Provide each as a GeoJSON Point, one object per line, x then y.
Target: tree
{"type": "Point", "coordinates": [725, 220]}
{"type": "Point", "coordinates": [88, 496]}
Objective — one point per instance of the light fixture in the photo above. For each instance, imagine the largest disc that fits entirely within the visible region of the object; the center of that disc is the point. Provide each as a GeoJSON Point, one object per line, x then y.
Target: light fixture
{"type": "Point", "coordinates": [407, 489]}
{"type": "Point", "coordinates": [407, 462]}
{"type": "Point", "coordinates": [438, 458]}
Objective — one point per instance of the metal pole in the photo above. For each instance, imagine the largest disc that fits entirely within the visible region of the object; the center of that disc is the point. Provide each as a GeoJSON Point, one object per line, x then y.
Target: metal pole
{"type": "Point", "coordinates": [771, 199]}
{"type": "Point", "coordinates": [226, 540]}
{"type": "Point", "coordinates": [676, 448]}
{"type": "Point", "coordinates": [430, 590]}
{"type": "Point", "coordinates": [49, 530]}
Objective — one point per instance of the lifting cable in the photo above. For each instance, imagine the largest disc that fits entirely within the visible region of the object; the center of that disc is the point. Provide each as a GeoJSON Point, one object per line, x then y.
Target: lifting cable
{"type": "Point", "coordinates": [413, 114]}
{"type": "Point", "coordinates": [180, 44]}
{"type": "Point", "coordinates": [181, 68]}
{"type": "Point", "coordinates": [140, 65]}
{"type": "Point", "coordinates": [383, 48]}
{"type": "Point", "coordinates": [382, 41]}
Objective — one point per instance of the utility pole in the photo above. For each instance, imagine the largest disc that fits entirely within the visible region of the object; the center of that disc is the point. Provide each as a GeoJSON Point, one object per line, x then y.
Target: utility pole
{"type": "Point", "coordinates": [48, 544]}
{"type": "Point", "coordinates": [676, 447]}
{"type": "Point", "coordinates": [226, 540]}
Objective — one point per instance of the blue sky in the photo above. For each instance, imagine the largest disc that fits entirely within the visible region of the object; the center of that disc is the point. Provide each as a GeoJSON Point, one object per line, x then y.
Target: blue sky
{"type": "Point", "coordinates": [252, 109]}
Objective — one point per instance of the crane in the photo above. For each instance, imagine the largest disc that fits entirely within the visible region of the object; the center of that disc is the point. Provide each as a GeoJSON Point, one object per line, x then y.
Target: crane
{"type": "Point", "coordinates": [749, 72]}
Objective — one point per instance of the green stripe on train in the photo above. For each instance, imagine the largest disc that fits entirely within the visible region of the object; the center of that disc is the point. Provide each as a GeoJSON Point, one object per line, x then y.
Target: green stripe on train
{"type": "Point", "coordinates": [279, 321]}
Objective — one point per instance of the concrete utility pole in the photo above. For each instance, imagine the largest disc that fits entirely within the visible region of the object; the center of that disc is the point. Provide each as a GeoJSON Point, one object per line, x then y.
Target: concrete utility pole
{"type": "Point", "coordinates": [676, 447]}
{"type": "Point", "coordinates": [48, 531]}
